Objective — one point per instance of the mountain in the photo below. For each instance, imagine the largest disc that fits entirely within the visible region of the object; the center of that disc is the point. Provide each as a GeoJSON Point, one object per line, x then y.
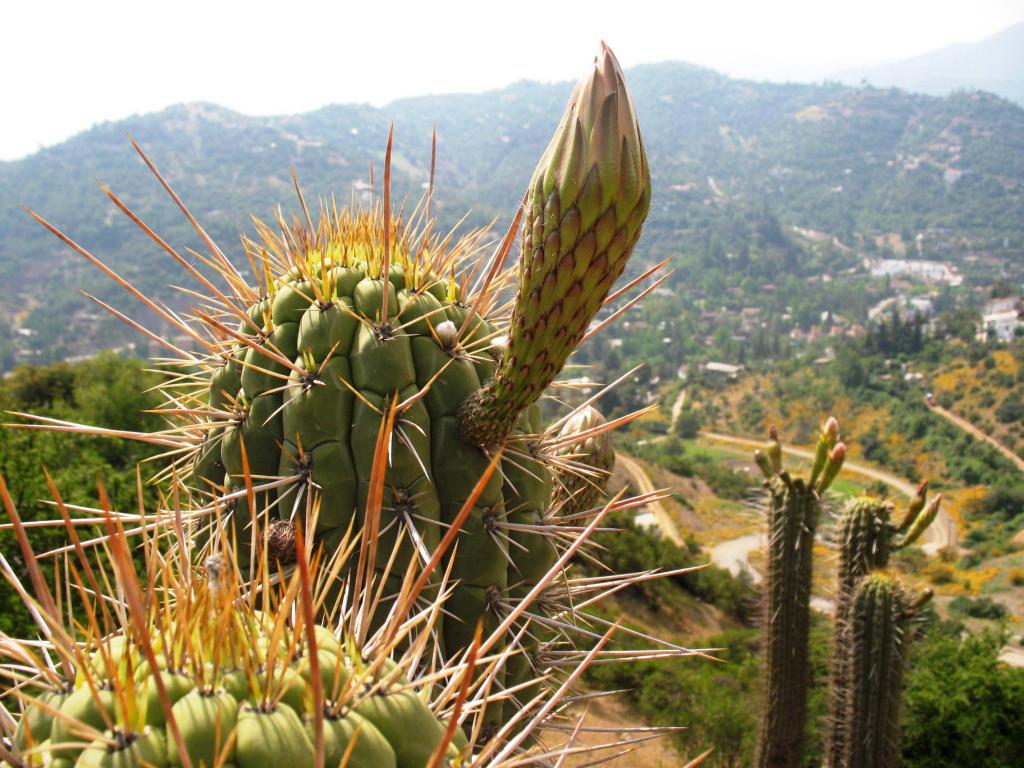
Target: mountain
{"type": "Point", "coordinates": [994, 64]}
{"type": "Point", "coordinates": [849, 162]}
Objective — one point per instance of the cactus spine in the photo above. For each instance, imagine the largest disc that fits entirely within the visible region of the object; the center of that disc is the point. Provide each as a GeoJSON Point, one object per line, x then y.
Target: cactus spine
{"type": "Point", "coordinates": [793, 511]}
{"type": "Point", "coordinates": [867, 537]}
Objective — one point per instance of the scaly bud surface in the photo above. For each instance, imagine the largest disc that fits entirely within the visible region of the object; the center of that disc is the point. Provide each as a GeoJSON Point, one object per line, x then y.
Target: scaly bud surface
{"type": "Point", "coordinates": [585, 206]}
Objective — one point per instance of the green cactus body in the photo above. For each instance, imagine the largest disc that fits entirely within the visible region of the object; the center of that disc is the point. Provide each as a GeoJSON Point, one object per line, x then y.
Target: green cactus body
{"type": "Point", "coordinates": [867, 537]}
{"type": "Point", "coordinates": [269, 724]}
{"type": "Point", "coordinates": [322, 422]}
{"type": "Point", "coordinates": [793, 511]}
{"type": "Point", "coordinates": [877, 651]}
{"type": "Point", "coordinates": [865, 543]}
{"type": "Point", "coordinates": [792, 521]}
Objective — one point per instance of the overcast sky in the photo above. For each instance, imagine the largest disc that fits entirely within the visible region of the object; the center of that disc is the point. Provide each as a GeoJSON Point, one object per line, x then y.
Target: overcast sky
{"type": "Point", "coordinates": [68, 65]}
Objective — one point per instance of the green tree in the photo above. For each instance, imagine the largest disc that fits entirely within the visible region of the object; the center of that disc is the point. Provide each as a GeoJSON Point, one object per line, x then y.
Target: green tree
{"type": "Point", "coordinates": [963, 706]}
{"type": "Point", "coordinates": [689, 424]}
{"type": "Point", "coordinates": [849, 369]}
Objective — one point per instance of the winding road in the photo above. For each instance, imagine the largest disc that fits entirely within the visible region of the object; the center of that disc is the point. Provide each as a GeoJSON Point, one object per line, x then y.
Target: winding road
{"type": "Point", "coordinates": [969, 428]}
{"type": "Point", "coordinates": [642, 484]}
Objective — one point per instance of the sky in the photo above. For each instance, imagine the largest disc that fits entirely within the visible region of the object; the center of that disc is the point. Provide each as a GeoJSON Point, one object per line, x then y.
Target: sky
{"type": "Point", "coordinates": [70, 65]}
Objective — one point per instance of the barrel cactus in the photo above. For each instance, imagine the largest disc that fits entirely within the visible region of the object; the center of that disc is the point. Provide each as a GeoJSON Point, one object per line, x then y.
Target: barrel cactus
{"type": "Point", "coordinates": [189, 666]}
{"type": "Point", "coordinates": [367, 374]}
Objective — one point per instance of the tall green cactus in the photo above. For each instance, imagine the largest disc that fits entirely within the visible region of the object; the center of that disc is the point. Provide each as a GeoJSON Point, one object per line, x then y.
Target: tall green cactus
{"type": "Point", "coordinates": [876, 655]}
{"type": "Point", "coordinates": [793, 512]}
{"type": "Point", "coordinates": [867, 537]}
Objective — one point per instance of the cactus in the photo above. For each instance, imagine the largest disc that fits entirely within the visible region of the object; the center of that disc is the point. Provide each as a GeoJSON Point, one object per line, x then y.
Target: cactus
{"type": "Point", "coordinates": [793, 512]}
{"type": "Point", "coordinates": [370, 376]}
{"type": "Point", "coordinates": [876, 655]}
{"type": "Point", "coordinates": [190, 668]}
{"type": "Point", "coordinates": [586, 445]}
{"type": "Point", "coordinates": [160, 662]}
{"type": "Point", "coordinates": [867, 537]}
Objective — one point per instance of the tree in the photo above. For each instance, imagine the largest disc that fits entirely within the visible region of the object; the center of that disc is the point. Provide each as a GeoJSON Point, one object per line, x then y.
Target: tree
{"type": "Point", "coordinates": [963, 705]}
{"type": "Point", "coordinates": [849, 369]}
{"type": "Point", "coordinates": [688, 424]}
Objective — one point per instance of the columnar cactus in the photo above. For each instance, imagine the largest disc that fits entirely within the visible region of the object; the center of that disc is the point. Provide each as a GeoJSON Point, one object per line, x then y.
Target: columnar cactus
{"type": "Point", "coordinates": [867, 537]}
{"type": "Point", "coordinates": [876, 655]}
{"type": "Point", "coordinates": [369, 375]}
{"type": "Point", "coordinates": [793, 512]}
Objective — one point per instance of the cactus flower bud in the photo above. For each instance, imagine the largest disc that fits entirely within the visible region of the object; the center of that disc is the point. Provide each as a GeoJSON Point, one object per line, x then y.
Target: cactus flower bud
{"type": "Point", "coordinates": [914, 507]}
{"type": "Point", "coordinates": [585, 206]}
{"type": "Point", "coordinates": [828, 437]}
{"type": "Point", "coordinates": [922, 521]}
{"type": "Point", "coordinates": [774, 450]}
{"type": "Point", "coordinates": [582, 490]}
{"type": "Point", "coordinates": [832, 466]}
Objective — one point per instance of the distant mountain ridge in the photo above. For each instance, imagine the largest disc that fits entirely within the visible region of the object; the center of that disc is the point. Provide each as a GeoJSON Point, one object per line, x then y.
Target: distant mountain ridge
{"type": "Point", "coordinates": [994, 64]}
{"type": "Point", "coordinates": [829, 157]}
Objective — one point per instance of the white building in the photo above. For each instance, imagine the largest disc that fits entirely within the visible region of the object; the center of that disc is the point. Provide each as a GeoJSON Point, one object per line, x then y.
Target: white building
{"type": "Point", "coordinates": [1001, 326]}
{"type": "Point", "coordinates": [919, 269]}
{"type": "Point", "coordinates": [731, 372]}
{"type": "Point", "coordinates": [1000, 319]}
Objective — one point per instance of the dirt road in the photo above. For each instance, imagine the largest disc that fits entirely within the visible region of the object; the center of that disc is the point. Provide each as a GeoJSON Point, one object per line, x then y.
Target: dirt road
{"type": "Point", "coordinates": [677, 408]}
{"type": "Point", "coordinates": [970, 429]}
{"type": "Point", "coordinates": [642, 482]}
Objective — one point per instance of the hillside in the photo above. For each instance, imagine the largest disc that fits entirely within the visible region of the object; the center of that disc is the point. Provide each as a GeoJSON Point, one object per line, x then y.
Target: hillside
{"type": "Point", "coordinates": [994, 64]}
{"type": "Point", "coordinates": [845, 161]}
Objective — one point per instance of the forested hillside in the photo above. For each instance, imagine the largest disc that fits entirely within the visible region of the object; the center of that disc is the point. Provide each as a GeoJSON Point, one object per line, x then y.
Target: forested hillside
{"type": "Point", "coordinates": [848, 162]}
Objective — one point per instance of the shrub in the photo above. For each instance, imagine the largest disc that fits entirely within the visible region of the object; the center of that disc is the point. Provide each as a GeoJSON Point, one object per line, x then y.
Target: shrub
{"type": "Point", "coordinates": [978, 607]}
{"type": "Point", "coordinates": [963, 705]}
{"type": "Point", "coordinates": [1010, 410]}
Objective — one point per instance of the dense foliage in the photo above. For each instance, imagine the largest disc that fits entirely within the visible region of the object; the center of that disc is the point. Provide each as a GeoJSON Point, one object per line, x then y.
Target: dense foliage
{"type": "Point", "coordinates": [108, 391]}
{"type": "Point", "coordinates": [963, 705]}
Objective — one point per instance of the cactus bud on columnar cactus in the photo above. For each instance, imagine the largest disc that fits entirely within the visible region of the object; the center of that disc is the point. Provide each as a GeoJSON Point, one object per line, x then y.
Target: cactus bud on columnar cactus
{"type": "Point", "coordinates": [922, 520]}
{"type": "Point", "coordinates": [794, 508]}
{"type": "Point", "coordinates": [585, 206]}
{"type": "Point", "coordinates": [916, 504]}
{"type": "Point", "coordinates": [829, 437]}
{"type": "Point", "coordinates": [773, 449]}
